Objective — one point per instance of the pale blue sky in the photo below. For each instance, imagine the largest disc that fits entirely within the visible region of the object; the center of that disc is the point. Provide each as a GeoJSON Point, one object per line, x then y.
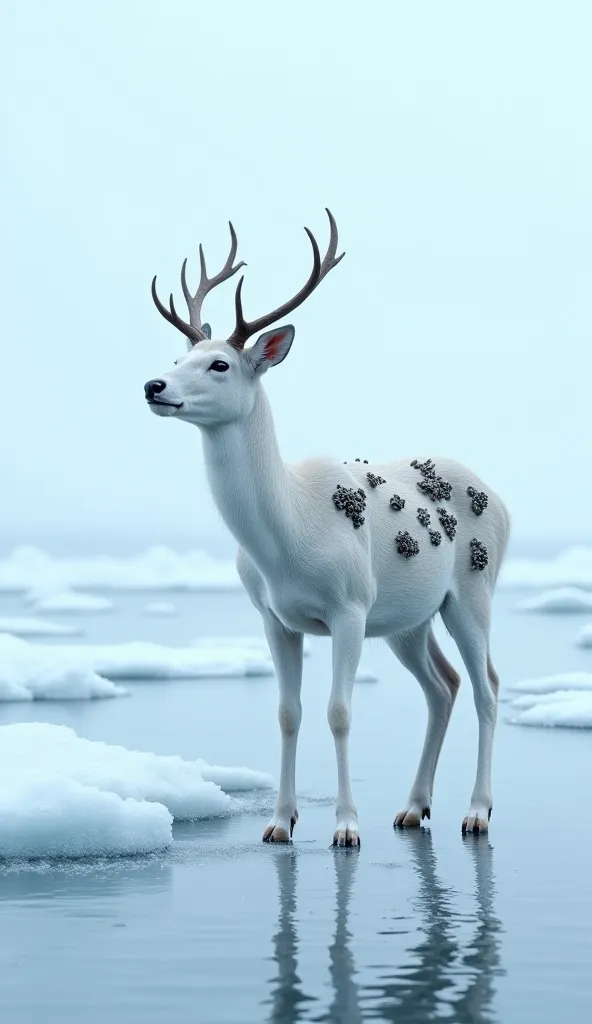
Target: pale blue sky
{"type": "Point", "coordinates": [453, 144]}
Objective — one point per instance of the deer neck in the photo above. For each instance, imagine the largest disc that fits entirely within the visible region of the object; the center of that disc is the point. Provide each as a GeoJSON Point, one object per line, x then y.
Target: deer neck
{"type": "Point", "coordinates": [255, 493]}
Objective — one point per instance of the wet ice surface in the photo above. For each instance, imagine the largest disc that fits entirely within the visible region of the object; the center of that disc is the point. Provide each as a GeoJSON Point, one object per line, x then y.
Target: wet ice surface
{"type": "Point", "coordinates": [414, 927]}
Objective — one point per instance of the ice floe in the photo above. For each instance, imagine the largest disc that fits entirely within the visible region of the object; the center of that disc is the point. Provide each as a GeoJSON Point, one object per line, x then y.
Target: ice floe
{"type": "Point", "coordinates": [35, 627]}
{"type": "Point", "coordinates": [564, 700]}
{"type": "Point", "coordinates": [43, 600]}
{"type": "Point", "coordinates": [33, 672]}
{"type": "Point", "coordinates": [571, 568]}
{"type": "Point", "coordinates": [140, 660]}
{"type": "Point", "coordinates": [567, 709]}
{"type": "Point", "coordinates": [562, 681]}
{"type": "Point", "coordinates": [158, 568]}
{"type": "Point", "coordinates": [22, 664]}
{"type": "Point", "coordinates": [584, 637]}
{"type": "Point", "coordinates": [561, 600]}
{"type": "Point", "coordinates": [65, 796]}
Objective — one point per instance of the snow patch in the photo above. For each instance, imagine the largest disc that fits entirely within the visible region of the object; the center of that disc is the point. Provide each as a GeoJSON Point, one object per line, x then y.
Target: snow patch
{"type": "Point", "coordinates": [562, 600]}
{"type": "Point", "coordinates": [567, 709]}
{"type": "Point", "coordinates": [36, 627]}
{"type": "Point", "coordinates": [32, 672]}
{"type": "Point", "coordinates": [64, 796]}
{"type": "Point", "coordinates": [563, 681]}
{"type": "Point", "coordinates": [48, 818]}
{"type": "Point", "coordinates": [128, 661]}
{"type": "Point", "coordinates": [158, 568]}
{"type": "Point", "coordinates": [141, 660]}
{"type": "Point", "coordinates": [559, 700]}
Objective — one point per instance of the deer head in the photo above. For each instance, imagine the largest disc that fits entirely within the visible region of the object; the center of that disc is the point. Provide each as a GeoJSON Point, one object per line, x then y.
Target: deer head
{"type": "Point", "coordinates": [215, 382]}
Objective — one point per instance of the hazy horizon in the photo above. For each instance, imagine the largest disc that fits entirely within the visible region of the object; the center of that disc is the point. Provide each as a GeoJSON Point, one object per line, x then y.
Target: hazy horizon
{"type": "Point", "coordinates": [451, 146]}
{"type": "Point", "coordinates": [217, 542]}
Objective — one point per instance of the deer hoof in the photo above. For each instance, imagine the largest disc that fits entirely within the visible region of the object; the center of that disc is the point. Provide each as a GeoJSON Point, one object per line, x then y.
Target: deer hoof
{"type": "Point", "coordinates": [346, 837]}
{"type": "Point", "coordinates": [276, 831]}
{"type": "Point", "coordinates": [476, 823]}
{"type": "Point", "coordinates": [411, 817]}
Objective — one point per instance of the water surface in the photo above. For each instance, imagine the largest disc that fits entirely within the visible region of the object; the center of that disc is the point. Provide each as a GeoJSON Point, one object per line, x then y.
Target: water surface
{"type": "Point", "coordinates": [417, 926]}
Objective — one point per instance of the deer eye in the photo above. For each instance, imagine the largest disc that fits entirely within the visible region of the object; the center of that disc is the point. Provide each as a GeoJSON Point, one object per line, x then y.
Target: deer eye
{"type": "Point", "coordinates": [219, 366]}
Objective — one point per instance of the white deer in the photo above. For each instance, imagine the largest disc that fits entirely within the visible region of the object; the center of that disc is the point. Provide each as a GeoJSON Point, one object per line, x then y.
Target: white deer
{"type": "Point", "coordinates": [348, 550]}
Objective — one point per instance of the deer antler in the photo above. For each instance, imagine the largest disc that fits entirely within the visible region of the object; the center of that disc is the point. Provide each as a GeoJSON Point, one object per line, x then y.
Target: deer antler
{"type": "Point", "coordinates": [244, 329]}
{"type": "Point", "coordinates": [193, 329]}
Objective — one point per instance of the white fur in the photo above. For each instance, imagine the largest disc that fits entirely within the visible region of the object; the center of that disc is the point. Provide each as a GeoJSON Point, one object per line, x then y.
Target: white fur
{"type": "Point", "coordinates": [307, 570]}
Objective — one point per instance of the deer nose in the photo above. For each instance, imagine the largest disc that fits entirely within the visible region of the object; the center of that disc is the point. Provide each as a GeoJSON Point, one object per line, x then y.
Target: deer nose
{"type": "Point", "coordinates": [153, 387]}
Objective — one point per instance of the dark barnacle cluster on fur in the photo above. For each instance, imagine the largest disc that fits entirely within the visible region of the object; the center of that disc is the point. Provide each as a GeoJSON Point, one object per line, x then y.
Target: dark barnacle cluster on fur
{"type": "Point", "coordinates": [397, 502]}
{"type": "Point", "coordinates": [406, 544]}
{"type": "Point", "coordinates": [448, 523]}
{"type": "Point", "coordinates": [437, 489]}
{"type": "Point", "coordinates": [352, 503]}
{"type": "Point", "coordinates": [479, 556]}
{"type": "Point", "coordinates": [426, 468]}
{"type": "Point", "coordinates": [423, 516]}
{"type": "Point", "coordinates": [433, 485]}
{"type": "Point", "coordinates": [479, 500]}
{"type": "Point", "coordinates": [435, 537]}
{"type": "Point", "coordinates": [374, 481]}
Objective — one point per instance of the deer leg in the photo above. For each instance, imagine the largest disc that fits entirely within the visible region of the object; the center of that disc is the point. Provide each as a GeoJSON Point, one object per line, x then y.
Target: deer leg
{"type": "Point", "coordinates": [420, 654]}
{"type": "Point", "coordinates": [468, 622]}
{"type": "Point", "coordinates": [286, 651]}
{"type": "Point", "coordinates": [348, 631]}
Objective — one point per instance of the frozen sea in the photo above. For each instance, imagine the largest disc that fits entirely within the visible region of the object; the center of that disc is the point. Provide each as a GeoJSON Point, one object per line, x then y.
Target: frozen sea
{"type": "Point", "coordinates": [417, 926]}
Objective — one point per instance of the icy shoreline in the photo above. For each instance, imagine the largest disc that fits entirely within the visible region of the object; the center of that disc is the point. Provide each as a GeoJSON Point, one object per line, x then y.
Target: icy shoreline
{"type": "Point", "coordinates": [63, 796]}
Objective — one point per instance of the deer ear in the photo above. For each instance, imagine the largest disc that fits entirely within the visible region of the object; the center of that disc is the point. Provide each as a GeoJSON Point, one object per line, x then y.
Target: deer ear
{"type": "Point", "coordinates": [271, 348]}
{"type": "Point", "coordinates": [207, 330]}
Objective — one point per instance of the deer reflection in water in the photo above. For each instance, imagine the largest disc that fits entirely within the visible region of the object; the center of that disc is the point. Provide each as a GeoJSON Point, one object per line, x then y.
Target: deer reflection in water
{"type": "Point", "coordinates": [288, 1001]}
{"type": "Point", "coordinates": [454, 964]}
{"type": "Point", "coordinates": [449, 972]}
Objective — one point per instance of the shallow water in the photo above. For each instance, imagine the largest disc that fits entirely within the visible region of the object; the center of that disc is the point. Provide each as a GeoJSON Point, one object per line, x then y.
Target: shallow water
{"type": "Point", "coordinates": [416, 926]}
